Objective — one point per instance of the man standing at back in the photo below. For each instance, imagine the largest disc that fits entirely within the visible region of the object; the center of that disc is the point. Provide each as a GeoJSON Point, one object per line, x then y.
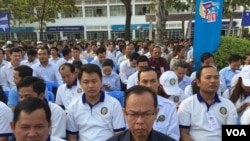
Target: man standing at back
{"type": "Point", "coordinates": [95, 116]}
{"type": "Point", "coordinates": [167, 119]}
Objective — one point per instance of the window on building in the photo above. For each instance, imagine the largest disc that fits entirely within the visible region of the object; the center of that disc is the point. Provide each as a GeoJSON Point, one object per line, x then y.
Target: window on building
{"type": "Point", "coordinates": [65, 14]}
{"type": "Point", "coordinates": [97, 11]}
{"type": "Point", "coordinates": [97, 35]}
{"type": "Point", "coordinates": [74, 35]}
{"type": "Point", "coordinates": [26, 36]}
{"type": "Point", "coordinates": [95, 1]}
{"type": "Point", "coordinates": [115, 1]}
{"type": "Point", "coordinates": [117, 10]}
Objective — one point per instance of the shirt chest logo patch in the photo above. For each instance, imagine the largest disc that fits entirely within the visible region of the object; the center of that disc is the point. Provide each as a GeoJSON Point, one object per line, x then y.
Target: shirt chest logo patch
{"type": "Point", "coordinates": [161, 118]}
{"type": "Point", "coordinates": [104, 110]}
{"type": "Point", "coordinates": [79, 90]}
{"type": "Point", "coordinates": [223, 110]}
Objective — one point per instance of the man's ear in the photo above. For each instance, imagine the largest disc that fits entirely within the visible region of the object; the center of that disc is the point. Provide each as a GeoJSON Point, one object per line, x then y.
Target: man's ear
{"type": "Point", "coordinates": [41, 96]}
{"type": "Point", "coordinates": [12, 126]}
{"type": "Point", "coordinates": [156, 112]}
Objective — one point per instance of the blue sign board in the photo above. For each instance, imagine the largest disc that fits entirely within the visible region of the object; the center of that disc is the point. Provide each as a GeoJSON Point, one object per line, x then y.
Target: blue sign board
{"type": "Point", "coordinates": [132, 27]}
{"type": "Point", "coordinates": [4, 23]}
{"type": "Point", "coordinates": [64, 28]}
{"type": "Point", "coordinates": [22, 29]}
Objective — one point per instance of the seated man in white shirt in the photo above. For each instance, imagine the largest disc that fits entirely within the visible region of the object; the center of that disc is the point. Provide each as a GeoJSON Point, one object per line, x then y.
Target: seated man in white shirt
{"type": "Point", "coordinates": [71, 89]}
{"type": "Point", "coordinates": [32, 121]}
{"type": "Point", "coordinates": [31, 86]}
{"type": "Point", "coordinates": [76, 56]}
{"type": "Point", "coordinates": [127, 68]}
{"type": "Point", "coordinates": [67, 56]}
{"type": "Point", "coordinates": [101, 56]}
{"type": "Point", "coordinates": [45, 69]}
{"type": "Point", "coordinates": [95, 116]}
{"type": "Point", "coordinates": [54, 55]}
{"type": "Point", "coordinates": [142, 62]}
{"type": "Point", "coordinates": [6, 72]}
{"type": "Point", "coordinates": [167, 119]}
{"type": "Point", "coordinates": [32, 58]}
{"type": "Point", "coordinates": [180, 69]}
{"type": "Point", "coordinates": [2, 61]}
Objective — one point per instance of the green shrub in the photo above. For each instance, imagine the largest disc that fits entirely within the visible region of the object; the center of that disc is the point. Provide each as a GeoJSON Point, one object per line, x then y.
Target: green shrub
{"type": "Point", "coordinates": [228, 46]}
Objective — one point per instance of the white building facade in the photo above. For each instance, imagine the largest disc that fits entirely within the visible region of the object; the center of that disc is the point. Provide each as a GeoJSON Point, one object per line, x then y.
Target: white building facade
{"type": "Point", "coordinates": [99, 19]}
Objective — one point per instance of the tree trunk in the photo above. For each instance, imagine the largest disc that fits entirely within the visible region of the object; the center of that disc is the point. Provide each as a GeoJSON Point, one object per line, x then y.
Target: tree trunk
{"type": "Point", "coordinates": [128, 22]}
{"type": "Point", "coordinates": [230, 25]}
{"type": "Point", "coordinates": [127, 4]}
{"type": "Point", "coordinates": [42, 19]}
{"type": "Point", "coordinates": [161, 18]}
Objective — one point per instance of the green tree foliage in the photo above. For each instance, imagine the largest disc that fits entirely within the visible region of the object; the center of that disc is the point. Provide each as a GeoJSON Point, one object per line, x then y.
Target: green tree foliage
{"type": "Point", "coordinates": [41, 11]}
{"type": "Point", "coordinates": [228, 46]}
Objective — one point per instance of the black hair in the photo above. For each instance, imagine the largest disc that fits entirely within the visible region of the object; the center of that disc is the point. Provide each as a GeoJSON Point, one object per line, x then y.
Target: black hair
{"type": "Point", "coordinates": [140, 90]}
{"type": "Point", "coordinates": [147, 69]}
{"type": "Point", "coordinates": [36, 83]}
{"type": "Point", "coordinates": [134, 56]}
{"type": "Point", "coordinates": [29, 105]}
{"type": "Point", "coordinates": [69, 65]}
{"type": "Point", "coordinates": [234, 58]}
{"type": "Point", "coordinates": [108, 62]}
{"type": "Point", "coordinates": [205, 56]}
{"type": "Point", "coordinates": [90, 68]}
{"type": "Point", "coordinates": [24, 70]}
{"type": "Point", "coordinates": [100, 50]}
{"type": "Point", "coordinates": [66, 51]}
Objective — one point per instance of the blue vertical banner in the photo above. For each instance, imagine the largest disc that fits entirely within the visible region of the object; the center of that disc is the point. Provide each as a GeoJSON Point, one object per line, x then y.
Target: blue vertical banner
{"type": "Point", "coordinates": [4, 23]}
{"type": "Point", "coordinates": [245, 19]}
{"type": "Point", "coordinates": [207, 29]}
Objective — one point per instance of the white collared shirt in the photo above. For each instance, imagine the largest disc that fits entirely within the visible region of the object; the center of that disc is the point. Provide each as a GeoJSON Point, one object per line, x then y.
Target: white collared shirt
{"type": "Point", "coordinates": [58, 120]}
{"type": "Point", "coordinates": [126, 70]}
{"type": "Point", "coordinates": [26, 62]}
{"type": "Point", "coordinates": [49, 73]}
{"type": "Point", "coordinates": [132, 80]}
{"type": "Point", "coordinates": [203, 121]}
{"type": "Point", "coordinates": [65, 95]}
{"type": "Point", "coordinates": [6, 77]}
{"type": "Point", "coordinates": [5, 119]}
{"type": "Point", "coordinates": [167, 119]}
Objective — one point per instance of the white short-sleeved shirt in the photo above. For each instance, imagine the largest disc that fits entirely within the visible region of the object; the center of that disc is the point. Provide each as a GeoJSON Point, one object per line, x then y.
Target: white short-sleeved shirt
{"type": "Point", "coordinates": [58, 119]}
{"type": "Point", "coordinates": [95, 122]}
{"type": "Point", "coordinates": [167, 119]}
{"type": "Point", "coordinates": [205, 121]}
{"type": "Point", "coordinates": [132, 80]}
{"type": "Point", "coordinates": [186, 80]}
{"type": "Point", "coordinates": [6, 117]}
{"type": "Point", "coordinates": [126, 70]}
{"type": "Point", "coordinates": [53, 138]}
{"type": "Point", "coordinates": [65, 94]}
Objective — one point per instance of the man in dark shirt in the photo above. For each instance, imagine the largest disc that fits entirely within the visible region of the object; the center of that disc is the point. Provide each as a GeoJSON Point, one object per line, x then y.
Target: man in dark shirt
{"type": "Point", "coordinates": [159, 63]}
{"type": "Point", "coordinates": [140, 113]}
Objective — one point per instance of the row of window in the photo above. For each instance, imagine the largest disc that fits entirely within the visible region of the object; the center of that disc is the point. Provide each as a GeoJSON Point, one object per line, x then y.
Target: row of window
{"type": "Point", "coordinates": [101, 11]}
{"type": "Point", "coordinates": [99, 35]}
{"type": "Point", "coordinates": [106, 1]}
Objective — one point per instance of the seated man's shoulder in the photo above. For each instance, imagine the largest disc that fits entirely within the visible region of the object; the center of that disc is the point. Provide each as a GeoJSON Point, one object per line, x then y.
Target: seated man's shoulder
{"type": "Point", "coordinates": [158, 136]}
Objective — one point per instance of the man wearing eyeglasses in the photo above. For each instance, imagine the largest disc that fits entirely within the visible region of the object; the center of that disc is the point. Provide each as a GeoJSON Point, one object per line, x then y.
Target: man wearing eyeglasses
{"type": "Point", "coordinates": [167, 119]}
{"type": "Point", "coordinates": [140, 113]}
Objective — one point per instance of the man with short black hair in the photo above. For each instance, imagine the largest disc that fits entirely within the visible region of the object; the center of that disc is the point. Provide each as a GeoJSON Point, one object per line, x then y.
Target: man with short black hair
{"type": "Point", "coordinates": [31, 86]}
{"type": "Point", "coordinates": [32, 121]}
{"type": "Point", "coordinates": [95, 116]}
{"type": "Point", "coordinates": [140, 111]}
